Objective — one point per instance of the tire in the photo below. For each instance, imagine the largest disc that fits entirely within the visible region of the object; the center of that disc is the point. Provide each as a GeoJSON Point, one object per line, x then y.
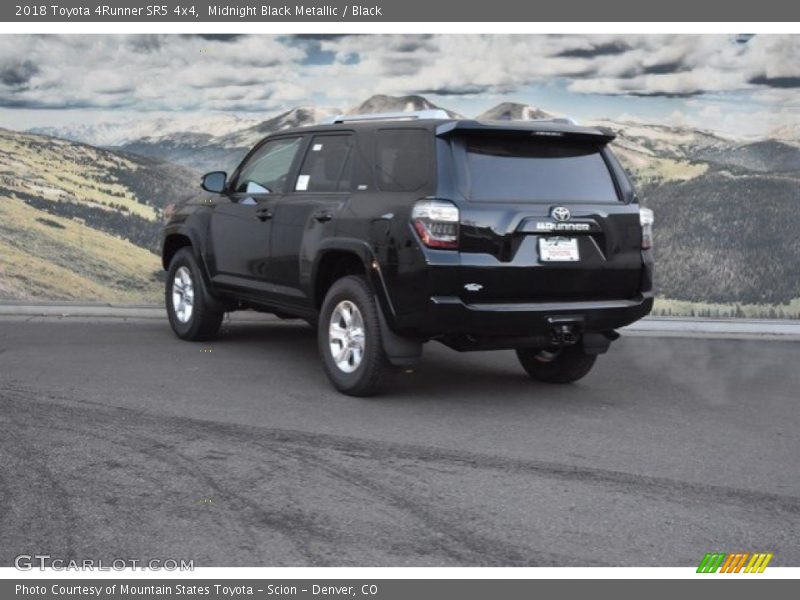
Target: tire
{"type": "Point", "coordinates": [197, 319]}
{"type": "Point", "coordinates": [567, 366]}
{"type": "Point", "coordinates": [340, 344]}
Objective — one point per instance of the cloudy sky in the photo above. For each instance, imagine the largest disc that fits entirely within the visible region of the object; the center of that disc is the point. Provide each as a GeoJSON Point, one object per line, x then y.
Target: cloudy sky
{"type": "Point", "coordinates": [736, 84]}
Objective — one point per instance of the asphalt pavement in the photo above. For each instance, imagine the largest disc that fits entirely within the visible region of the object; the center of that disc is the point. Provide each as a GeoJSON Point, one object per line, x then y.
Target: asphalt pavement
{"type": "Point", "coordinates": [120, 441]}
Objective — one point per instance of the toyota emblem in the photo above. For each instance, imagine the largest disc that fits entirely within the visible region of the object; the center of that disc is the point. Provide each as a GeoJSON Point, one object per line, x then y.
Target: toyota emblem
{"type": "Point", "coordinates": [560, 213]}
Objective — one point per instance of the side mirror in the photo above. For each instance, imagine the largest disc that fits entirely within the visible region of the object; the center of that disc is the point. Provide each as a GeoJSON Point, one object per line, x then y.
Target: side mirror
{"type": "Point", "coordinates": [214, 181]}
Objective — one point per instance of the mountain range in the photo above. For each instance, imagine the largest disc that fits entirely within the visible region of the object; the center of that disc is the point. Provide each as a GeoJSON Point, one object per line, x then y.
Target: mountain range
{"type": "Point", "coordinates": [119, 133]}
{"type": "Point", "coordinates": [79, 222]}
{"type": "Point", "coordinates": [726, 208]}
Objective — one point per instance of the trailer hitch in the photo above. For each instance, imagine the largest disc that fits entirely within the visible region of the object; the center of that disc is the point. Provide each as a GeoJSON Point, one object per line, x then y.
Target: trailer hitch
{"type": "Point", "coordinates": [565, 331]}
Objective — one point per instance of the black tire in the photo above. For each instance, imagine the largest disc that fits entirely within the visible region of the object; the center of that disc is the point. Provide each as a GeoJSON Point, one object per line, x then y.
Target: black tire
{"type": "Point", "coordinates": [205, 319]}
{"type": "Point", "coordinates": [569, 365]}
{"type": "Point", "coordinates": [369, 374]}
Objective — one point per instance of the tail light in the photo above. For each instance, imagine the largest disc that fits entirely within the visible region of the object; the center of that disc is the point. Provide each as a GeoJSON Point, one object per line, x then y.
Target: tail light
{"type": "Point", "coordinates": [646, 220]}
{"type": "Point", "coordinates": [436, 223]}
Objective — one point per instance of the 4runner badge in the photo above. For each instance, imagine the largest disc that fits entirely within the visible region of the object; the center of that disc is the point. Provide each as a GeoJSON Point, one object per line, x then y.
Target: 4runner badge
{"type": "Point", "coordinates": [560, 213]}
{"type": "Point", "coordinates": [550, 226]}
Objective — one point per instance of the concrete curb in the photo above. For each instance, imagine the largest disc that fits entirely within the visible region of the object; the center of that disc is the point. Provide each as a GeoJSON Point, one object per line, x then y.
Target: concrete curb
{"type": "Point", "coordinates": [110, 311]}
{"type": "Point", "coordinates": [85, 312]}
{"type": "Point", "coordinates": [788, 330]}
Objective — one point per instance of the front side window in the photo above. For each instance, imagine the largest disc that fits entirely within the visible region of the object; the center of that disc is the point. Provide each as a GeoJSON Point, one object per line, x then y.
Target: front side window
{"type": "Point", "coordinates": [511, 168]}
{"type": "Point", "coordinates": [268, 169]}
{"type": "Point", "coordinates": [326, 167]}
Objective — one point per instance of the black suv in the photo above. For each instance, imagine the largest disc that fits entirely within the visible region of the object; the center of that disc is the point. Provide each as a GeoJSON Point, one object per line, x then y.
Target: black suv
{"type": "Point", "coordinates": [387, 231]}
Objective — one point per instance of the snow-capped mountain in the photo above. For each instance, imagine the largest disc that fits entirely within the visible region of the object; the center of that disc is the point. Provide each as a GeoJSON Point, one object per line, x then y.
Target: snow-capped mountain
{"type": "Point", "coordinates": [296, 117]}
{"type": "Point", "coordinates": [787, 133]}
{"type": "Point", "coordinates": [222, 149]}
{"type": "Point", "coordinates": [513, 111]}
{"type": "Point", "coordinates": [381, 103]}
{"type": "Point", "coordinates": [124, 132]}
{"type": "Point", "coordinates": [661, 142]}
{"type": "Point", "coordinates": [664, 138]}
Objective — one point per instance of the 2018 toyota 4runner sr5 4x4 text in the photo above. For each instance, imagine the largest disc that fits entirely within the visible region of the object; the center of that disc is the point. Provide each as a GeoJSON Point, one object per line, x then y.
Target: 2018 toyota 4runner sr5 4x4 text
{"type": "Point", "coordinates": [388, 231]}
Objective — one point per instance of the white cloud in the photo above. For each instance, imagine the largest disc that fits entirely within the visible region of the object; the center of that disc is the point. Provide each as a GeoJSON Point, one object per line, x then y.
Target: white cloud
{"type": "Point", "coordinates": [265, 73]}
{"type": "Point", "coordinates": [145, 72]}
{"type": "Point", "coordinates": [671, 65]}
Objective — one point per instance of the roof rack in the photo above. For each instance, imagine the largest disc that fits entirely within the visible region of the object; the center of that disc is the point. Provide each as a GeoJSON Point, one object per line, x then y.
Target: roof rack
{"type": "Point", "coordinates": [559, 120]}
{"type": "Point", "coordinates": [436, 113]}
{"type": "Point", "coordinates": [564, 120]}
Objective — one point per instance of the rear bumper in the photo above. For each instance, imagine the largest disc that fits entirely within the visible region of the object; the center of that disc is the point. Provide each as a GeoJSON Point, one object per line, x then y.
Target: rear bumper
{"type": "Point", "coordinates": [451, 315]}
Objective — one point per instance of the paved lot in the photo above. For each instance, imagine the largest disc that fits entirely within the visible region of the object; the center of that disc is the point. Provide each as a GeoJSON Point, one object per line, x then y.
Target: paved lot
{"type": "Point", "coordinates": [120, 441]}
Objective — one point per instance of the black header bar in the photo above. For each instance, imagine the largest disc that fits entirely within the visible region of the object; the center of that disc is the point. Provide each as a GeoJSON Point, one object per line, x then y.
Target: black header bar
{"type": "Point", "coordinates": [197, 11]}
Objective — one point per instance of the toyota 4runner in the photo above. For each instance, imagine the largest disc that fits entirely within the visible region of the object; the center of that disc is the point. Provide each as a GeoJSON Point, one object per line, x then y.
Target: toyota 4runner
{"type": "Point", "coordinates": [388, 231]}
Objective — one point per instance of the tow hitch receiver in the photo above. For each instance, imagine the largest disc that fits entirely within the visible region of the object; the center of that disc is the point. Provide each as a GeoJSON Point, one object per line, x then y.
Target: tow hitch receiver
{"type": "Point", "coordinates": [565, 331]}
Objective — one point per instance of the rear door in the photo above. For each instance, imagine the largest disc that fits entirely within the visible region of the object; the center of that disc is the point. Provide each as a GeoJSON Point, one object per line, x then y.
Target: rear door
{"type": "Point", "coordinates": [544, 220]}
{"type": "Point", "coordinates": [307, 214]}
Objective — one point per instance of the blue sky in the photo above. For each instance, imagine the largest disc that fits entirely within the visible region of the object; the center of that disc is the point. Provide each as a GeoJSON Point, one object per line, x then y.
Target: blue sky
{"type": "Point", "coordinates": [741, 85]}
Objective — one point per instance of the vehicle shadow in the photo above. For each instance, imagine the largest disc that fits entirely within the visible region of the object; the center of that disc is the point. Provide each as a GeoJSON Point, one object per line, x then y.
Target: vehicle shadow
{"type": "Point", "coordinates": [443, 373]}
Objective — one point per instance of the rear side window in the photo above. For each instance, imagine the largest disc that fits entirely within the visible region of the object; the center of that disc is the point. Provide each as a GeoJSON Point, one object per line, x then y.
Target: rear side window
{"type": "Point", "coordinates": [535, 170]}
{"type": "Point", "coordinates": [326, 167]}
{"type": "Point", "coordinates": [404, 159]}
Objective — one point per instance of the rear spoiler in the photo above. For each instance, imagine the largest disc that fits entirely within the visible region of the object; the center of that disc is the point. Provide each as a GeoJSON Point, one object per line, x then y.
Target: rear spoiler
{"type": "Point", "coordinates": [543, 128]}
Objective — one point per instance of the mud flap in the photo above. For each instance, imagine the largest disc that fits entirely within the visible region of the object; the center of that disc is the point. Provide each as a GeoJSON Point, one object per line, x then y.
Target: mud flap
{"type": "Point", "coordinates": [400, 351]}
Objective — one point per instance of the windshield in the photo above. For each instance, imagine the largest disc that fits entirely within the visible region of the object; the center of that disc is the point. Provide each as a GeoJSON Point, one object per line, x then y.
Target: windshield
{"type": "Point", "coordinates": [506, 168]}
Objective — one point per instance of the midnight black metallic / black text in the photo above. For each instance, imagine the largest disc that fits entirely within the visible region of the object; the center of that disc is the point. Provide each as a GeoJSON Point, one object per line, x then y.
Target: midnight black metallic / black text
{"type": "Point", "coordinates": [298, 10]}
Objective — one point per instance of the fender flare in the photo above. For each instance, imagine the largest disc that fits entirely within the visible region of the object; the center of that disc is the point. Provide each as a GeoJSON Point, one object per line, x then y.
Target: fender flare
{"type": "Point", "coordinates": [198, 252]}
{"type": "Point", "coordinates": [365, 253]}
{"type": "Point", "coordinates": [400, 351]}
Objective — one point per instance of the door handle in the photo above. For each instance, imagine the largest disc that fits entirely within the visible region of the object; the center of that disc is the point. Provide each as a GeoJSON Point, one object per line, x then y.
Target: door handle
{"type": "Point", "coordinates": [323, 216]}
{"type": "Point", "coordinates": [263, 214]}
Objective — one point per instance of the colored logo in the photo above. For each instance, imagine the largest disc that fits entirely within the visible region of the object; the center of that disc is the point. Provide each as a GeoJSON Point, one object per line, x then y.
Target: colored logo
{"type": "Point", "coordinates": [737, 562]}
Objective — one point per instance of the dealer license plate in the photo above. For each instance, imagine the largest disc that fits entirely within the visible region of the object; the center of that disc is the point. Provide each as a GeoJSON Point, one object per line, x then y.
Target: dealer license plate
{"type": "Point", "coordinates": [558, 249]}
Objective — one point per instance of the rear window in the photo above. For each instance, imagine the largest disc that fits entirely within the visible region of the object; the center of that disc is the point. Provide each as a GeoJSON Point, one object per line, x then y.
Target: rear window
{"type": "Point", "coordinates": [404, 159]}
{"type": "Point", "coordinates": [535, 170]}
